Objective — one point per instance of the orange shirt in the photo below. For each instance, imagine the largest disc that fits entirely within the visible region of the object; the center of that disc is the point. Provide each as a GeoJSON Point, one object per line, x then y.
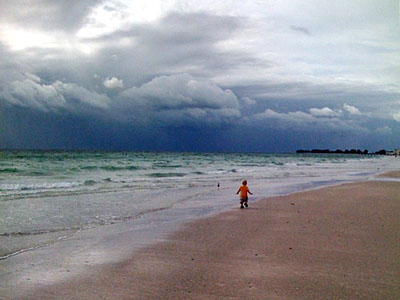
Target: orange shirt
{"type": "Point", "coordinates": [244, 189]}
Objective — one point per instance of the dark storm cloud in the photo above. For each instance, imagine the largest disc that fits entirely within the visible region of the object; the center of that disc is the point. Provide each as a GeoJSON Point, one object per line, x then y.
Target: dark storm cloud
{"type": "Point", "coordinates": [196, 80]}
{"type": "Point", "coordinates": [176, 100]}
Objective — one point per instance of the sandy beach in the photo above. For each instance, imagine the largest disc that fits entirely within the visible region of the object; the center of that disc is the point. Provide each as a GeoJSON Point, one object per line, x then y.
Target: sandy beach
{"type": "Point", "coordinates": [340, 242]}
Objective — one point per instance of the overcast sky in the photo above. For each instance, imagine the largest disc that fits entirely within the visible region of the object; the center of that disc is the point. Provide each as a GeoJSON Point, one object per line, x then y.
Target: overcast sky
{"type": "Point", "coordinates": [200, 75]}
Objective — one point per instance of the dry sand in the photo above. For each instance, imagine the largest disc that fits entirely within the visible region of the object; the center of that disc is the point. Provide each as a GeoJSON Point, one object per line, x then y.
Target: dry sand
{"type": "Point", "coordinates": [392, 174]}
{"type": "Point", "coordinates": [338, 242]}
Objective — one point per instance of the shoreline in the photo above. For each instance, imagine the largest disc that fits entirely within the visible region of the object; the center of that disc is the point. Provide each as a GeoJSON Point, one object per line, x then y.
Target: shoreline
{"type": "Point", "coordinates": [258, 259]}
{"type": "Point", "coordinates": [20, 231]}
{"type": "Point", "coordinates": [47, 240]}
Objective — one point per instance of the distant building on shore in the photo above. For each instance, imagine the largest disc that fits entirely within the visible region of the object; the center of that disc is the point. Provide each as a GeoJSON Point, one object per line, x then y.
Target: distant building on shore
{"type": "Point", "coordinates": [395, 152]}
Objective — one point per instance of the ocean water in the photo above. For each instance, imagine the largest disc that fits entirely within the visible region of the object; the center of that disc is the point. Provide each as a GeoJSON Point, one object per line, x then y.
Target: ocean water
{"type": "Point", "coordinates": [48, 196]}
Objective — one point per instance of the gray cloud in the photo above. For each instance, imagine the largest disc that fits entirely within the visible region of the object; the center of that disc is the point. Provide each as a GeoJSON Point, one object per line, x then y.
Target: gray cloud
{"type": "Point", "coordinates": [300, 29]}
{"type": "Point", "coordinates": [177, 44]}
{"type": "Point", "coordinates": [47, 15]}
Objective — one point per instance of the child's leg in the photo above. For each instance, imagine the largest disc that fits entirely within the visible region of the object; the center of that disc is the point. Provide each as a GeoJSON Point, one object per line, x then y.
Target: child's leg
{"type": "Point", "coordinates": [241, 202]}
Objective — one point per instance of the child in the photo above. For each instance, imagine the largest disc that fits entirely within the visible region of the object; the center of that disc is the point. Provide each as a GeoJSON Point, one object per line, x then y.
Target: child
{"type": "Point", "coordinates": [244, 189]}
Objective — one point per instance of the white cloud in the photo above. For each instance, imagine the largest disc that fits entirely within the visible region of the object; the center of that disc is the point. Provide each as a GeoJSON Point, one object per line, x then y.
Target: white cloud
{"type": "Point", "coordinates": [295, 117]}
{"type": "Point", "coordinates": [325, 112]}
{"type": "Point", "coordinates": [30, 92]}
{"type": "Point", "coordinates": [396, 117]}
{"type": "Point", "coordinates": [303, 121]}
{"type": "Point", "coordinates": [113, 82]}
{"type": "Point", "coordinates": [351, 109]}
{"type": "Point", "coordinates": [248, 101]}
{"type": "Point", "coordinates": [181, 91]}
{"type": "Point", "coordinates": [73, 92]}
{"type": "Point", "coordinates": [180, 99]}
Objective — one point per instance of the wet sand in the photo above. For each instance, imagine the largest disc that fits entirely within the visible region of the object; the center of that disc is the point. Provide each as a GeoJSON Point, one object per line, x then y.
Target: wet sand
{"type": "Point", "coordinates": [339, 242]}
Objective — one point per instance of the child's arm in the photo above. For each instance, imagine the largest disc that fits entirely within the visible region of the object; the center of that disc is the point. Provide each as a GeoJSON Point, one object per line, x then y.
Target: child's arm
{"type": "Point", "coordinates": [238, 191]}
{"type": "Point", "coordinates": [250, 192]}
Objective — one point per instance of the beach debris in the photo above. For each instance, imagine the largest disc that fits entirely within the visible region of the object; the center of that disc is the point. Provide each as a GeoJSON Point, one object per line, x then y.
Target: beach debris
{"type": "Point", "coordinates": [292, 203]}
